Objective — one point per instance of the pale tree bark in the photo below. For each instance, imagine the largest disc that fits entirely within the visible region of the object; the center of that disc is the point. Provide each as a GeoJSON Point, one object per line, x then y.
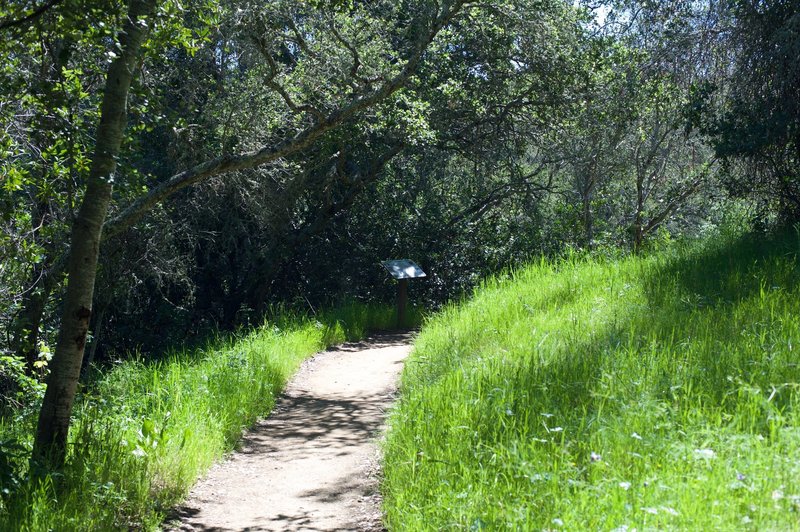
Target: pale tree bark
{"type": "Point", "coordinates": [652, 157]}
{"type": "Point", "coordinates": [50, 445]}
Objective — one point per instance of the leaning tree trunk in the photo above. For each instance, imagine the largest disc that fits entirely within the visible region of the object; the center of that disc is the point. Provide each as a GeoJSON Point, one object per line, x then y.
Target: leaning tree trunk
{"type": "Point", "coordinates": [50, 446]}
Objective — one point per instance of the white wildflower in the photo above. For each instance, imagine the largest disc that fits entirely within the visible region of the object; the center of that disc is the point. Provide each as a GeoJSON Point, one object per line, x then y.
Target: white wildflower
{"type": "Point", "coordinates": [707, 454]}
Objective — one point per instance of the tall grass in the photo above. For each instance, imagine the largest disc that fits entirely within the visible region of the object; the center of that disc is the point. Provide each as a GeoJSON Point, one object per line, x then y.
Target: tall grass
{"type": "Point", "coordinates": [648, 393]}
{"type": "Point", "coordinates": [144, 432]}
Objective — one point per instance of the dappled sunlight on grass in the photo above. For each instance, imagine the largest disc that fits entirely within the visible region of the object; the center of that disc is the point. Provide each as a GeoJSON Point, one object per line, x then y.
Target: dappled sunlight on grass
{"type": "Point", "coordinates": [654, 392]}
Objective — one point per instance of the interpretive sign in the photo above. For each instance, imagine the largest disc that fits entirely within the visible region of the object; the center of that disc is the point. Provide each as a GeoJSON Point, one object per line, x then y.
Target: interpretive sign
{"type": "Point", "coordinates": [403, 269]}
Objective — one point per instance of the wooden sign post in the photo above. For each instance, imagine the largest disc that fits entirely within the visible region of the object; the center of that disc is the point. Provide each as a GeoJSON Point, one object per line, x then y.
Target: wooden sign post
{"type": "Point", "coordinates": [402, 301]}
{"type": "Point", "coordinates": [403, 270]}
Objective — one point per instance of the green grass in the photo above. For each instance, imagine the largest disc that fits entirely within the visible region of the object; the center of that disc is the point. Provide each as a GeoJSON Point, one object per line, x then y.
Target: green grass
{"type": "Point", "coordinates": [144, 432]}
{"type": "Point", "coordinates": [656, 392]}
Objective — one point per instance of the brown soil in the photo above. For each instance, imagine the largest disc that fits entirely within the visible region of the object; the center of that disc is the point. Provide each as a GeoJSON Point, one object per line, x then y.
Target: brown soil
{"type": "Point", "coordinates": [314, 463]}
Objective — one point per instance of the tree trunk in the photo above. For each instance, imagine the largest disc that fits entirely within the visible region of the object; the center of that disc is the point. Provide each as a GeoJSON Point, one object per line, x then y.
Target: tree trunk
{"type": "Point", "coordinates": [50, 445]}
{"type": "Point", "coordinates": [588, 221]}
{"type": "Point", "coordinates": [587, 182]}
{"type": "Point", "coordinates": [638, 219]}
{"type": "Point", "coordinates": [97, 334]}
{"type": "Point", "coordinates": [638, 234]}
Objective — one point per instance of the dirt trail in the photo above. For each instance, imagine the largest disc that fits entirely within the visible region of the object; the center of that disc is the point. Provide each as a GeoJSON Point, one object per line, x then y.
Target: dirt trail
{"type": "Point", "coordinates": [313, 464]}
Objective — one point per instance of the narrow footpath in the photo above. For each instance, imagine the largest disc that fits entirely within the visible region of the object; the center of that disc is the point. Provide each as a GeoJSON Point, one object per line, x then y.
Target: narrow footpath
{"type": "Point", "coordinates": [313, 465]}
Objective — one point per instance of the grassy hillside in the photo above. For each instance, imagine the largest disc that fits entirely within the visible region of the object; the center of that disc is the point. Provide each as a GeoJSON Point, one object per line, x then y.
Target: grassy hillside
{"type": "Point", "coordinates": [650, 393]}
{"type": "Point", "coordinates": [144, 432]}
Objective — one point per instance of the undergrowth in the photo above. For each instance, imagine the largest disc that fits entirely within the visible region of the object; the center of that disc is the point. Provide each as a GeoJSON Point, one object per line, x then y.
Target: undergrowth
{"type": "Point", "coordinates": [649, 393]}
{"type": "Point", "coordinates": [143, 432]}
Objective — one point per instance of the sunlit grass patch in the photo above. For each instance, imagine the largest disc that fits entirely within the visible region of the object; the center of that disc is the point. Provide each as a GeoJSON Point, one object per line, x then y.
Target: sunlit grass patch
{"type": "Point", "coordinates": [652, 393]}
{"type": "Point", "coordinates": [145, 431]}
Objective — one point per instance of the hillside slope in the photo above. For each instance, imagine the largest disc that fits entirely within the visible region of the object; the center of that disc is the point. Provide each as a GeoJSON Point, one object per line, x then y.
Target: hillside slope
{"type": "Point", "coordinates": [655, 392]}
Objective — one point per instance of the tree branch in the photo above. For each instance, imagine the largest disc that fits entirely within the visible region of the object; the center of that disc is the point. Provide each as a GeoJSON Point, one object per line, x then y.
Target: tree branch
{"type": "Point", "coordinates": [38, 12]}
{"type": "Point", "coordinates": [277, 87]}
{"type": "Point", "coordinates": [350, 48]}
{"type": "Point", "coordinates": [267, 154]}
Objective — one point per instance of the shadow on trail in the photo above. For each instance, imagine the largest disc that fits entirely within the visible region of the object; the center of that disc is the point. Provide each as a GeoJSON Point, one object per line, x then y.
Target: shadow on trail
{"type": "Point", "coordinates": [299, 521]}
{"type": "Point", "coordinates": [314, 422]}
{"type": "Point", "coordinates": [323, 418]}
{"type": "Point", "coordinates": [377, 341]}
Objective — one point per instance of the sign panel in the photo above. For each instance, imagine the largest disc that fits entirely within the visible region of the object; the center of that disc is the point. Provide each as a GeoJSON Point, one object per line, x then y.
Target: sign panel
{"type": "Point", "coordinates": [403, 269]}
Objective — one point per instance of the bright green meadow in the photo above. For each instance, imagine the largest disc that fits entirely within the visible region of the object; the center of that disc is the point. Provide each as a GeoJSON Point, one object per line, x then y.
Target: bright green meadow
{"type": "Point", "coordinates": [653, 393]}
{"type": "Point", "coordinates": [144, 432]}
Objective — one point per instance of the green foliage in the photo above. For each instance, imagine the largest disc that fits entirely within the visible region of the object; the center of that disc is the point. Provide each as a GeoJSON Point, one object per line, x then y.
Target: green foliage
{"type": "Point", "coordinates": [53, 68]}
{"type": "Point", "coordinates": [640, 392]}
{"type": "Point", "coordinates": [144, 432]}
{"type": "Point", "coordinates": [11, 452]}
{"type": "Point", "coordinates": [757, 120]}
{"type": "Point", "coordinates": [18, 389]}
